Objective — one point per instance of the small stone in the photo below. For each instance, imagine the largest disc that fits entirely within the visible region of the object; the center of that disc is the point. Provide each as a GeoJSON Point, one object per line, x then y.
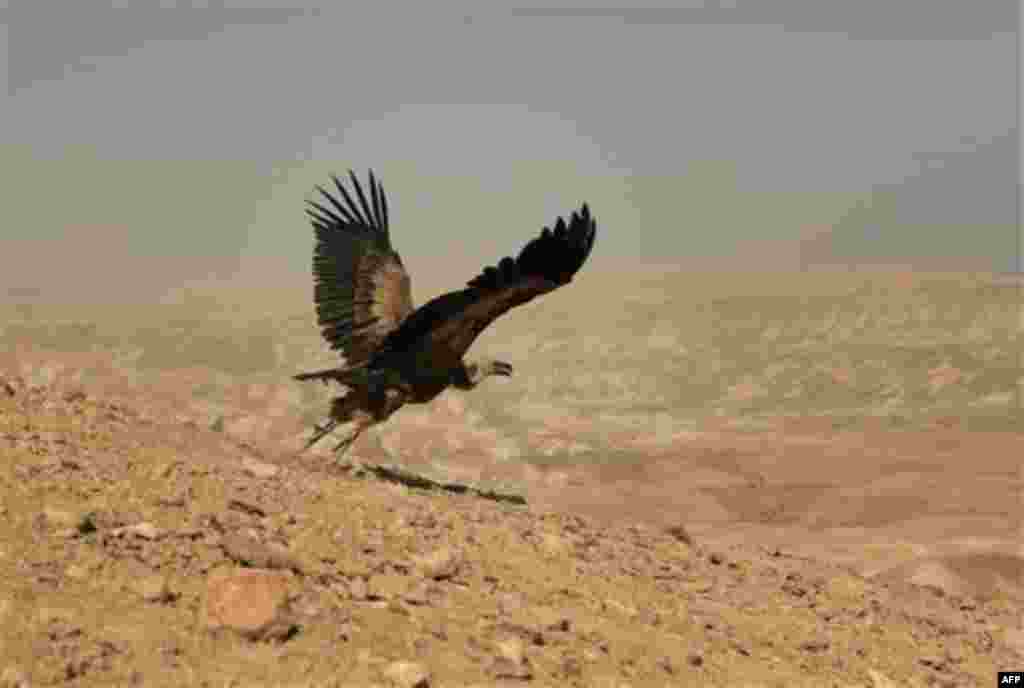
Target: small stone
{"type": "Point", "coordinates": [503, 667]}
{"type": "Point", "coordinates": [814, 646]}
{"type": "Point", "coordinates": [510, 602]}
{"type": "Point", "coordinates": [259, 469]}
{"type": "Point", "coordinates": [389, 586]}
{"type": "Point", "coordinates": [880, 680]}
{"type": "Point", "coordinates": [407, 675]}
{"type": "Point", "coordinates": [76, 572]}
{"type": "Point", "coordinates": [694, 660]}
{"type": "Point", "coordinates": [681, 534]}
{"type": "Point", "coordinates": [511, 649]}
{"type": "Point", "coordinates": [716, 559]}
{"type": "Point", "coordinates": [249, 551]}
{"type": "Point", "coordinates": [551, 619]}
{"type": "Point", "coordinates": [624, 609]}
{"type": "Point", "coordinates": [358, 589]}
{"type": "Point", "coordinates": [571, 667]}
{"type": "Point", "coordinates": [154, 589]}
{"type": "Point", "coordinates": [441, 564]}
{"type": "Point", "coordinates": [418, 594]}
{"type": "Point", "coordinates": [144, 530]}
{"type": "Point", "coordinates": [74, 396]}
{"type": "Point", "coordinates": [48, 615]}
{"type": "Point", "coordinates": [60, 518]}
{"type": "Point", "coordinates": [955, 655]}
{"type": "Point", "coordinates": [251, 602]}
{"type": "Point", "coordinates": [247, 507]}
{"type": "Point", "coordinates": [13, 677]}
{"type": "Point", "coordinates": [552, 546]}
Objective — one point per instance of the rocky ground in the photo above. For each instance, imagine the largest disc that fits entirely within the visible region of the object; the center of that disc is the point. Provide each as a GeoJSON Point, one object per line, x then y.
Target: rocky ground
{"type": "Point", "coordinates": [138, 547]}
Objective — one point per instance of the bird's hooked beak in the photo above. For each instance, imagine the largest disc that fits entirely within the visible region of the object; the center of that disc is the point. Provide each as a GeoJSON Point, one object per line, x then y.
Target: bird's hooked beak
{"type": "Point", "coordinates": [501, 368]}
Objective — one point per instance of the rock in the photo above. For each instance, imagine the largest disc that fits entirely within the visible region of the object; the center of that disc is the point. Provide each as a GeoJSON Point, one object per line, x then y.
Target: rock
{"type": "Point", "coordinates": [681, 534]}
{"type": "Point", "coordinates": [512, 650]}
{"type": "Point", "coordinates": [551, 619]}
{"type": "Point", "coordinates": [510, 602]}
{"type": "Point", "coordinates": [13, 677]}
{"type": "Point", "coordinates": [251, 552]}
{"type": "Point", "coordinates": [154, 589]}
{"type": "Point", "coordinates": [49, 615]}
{"type": "Point", "coordinates": [407, 675]}
{"type": "Point", "coordinates": [250, 602]}
{"type": "Point", "coordinates": [572, 667]}
{"type": "Point", "coordinates": [440, 564]}
{"type": "Point", "coordinates": [59, 518]}
{"type": "Point", "coordinates": [247, 507]}
{"type": "Point", "coordinates": [819, 645]}
{"type": "Point", "coordinates": [624, 609]}
{"type": "Point", "coordinates": [259, 469]}
{"type": "Point", "coordinates": [144, 530]}
{"type": "Point", "coordinates": [389, 586]}
{"type": "Point", "coordinates": [8, 387]}
{"type": "Point", "coordinates": [504, 668]}
{"type": "Point", "coordinates": [75, 396]}
{"type": "Point", "coordinates": [666, 665]}
{"type": "Point", "coordinates": [358, 589]}
{"type": "Point", "coordinates": [880, 680]}
{"type": "Point", "coordinates": [552, 545]}
{"type": "Point", "coordinates": [418, 594]}
{"type": "Point", "coordinates": [76, 572]}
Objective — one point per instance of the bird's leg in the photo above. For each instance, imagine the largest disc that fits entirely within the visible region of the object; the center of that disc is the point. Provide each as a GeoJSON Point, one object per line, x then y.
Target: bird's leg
{"type": "Point", "coordinates": [341, 447]}
{"type": "Point", "coordinates": [322, 431]}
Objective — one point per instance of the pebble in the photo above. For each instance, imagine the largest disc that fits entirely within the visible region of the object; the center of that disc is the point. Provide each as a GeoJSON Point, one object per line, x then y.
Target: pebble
{"type": "Point", "coordinates": [13, 677]}
{"type": "Point", "coordinates": [251, 552]}
{"type": "Point", "coordinates": [407, 675]}
{"type": "Point", "coordinates": [144, 530]}
{"type": "Point", "coordinates": [154, 589]}
{"type": "Point", "coordinates": [259, 469]}
{"type": "Point", "coordinates": [441, 564]}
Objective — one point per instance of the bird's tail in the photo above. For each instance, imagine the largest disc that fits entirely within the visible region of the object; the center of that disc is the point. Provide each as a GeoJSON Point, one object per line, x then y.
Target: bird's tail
{"type": "Point", "coordinates": [345, 376]}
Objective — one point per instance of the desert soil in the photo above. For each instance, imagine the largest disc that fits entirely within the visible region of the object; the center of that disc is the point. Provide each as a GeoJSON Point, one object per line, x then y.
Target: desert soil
{"type": "Point", "coordinates": [140, 547]}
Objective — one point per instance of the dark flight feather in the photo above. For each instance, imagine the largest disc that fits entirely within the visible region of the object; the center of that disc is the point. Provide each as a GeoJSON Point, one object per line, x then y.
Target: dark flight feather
{"type": "Point", "coordinates": [453, 321]}
{"type": "Point", "coordinates": [361, 291]}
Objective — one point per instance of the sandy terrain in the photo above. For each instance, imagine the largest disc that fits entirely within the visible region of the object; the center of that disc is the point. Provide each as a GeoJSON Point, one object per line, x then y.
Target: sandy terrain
{"type": "Point", "coordinates": [793, 557]}
{"type": "Point", "coordinates": [731, 480]}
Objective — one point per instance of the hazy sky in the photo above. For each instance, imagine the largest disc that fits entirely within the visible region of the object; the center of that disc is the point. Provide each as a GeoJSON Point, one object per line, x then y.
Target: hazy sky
{"type": "Point", "coordinates": [799, 96]}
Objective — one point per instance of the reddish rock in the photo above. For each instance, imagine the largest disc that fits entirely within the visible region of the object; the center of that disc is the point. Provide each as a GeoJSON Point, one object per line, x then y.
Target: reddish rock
{"type": "Point", "coordinates": [251, 602]}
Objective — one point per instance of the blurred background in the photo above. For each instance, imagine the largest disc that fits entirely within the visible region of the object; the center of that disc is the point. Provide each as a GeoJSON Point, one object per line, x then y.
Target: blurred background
{"type": "Point", "coordinates": [806, 207]}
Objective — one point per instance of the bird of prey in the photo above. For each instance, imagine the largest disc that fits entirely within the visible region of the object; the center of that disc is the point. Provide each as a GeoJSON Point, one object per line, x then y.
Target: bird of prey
{"type": "Point", "coordinates": [395, 354]}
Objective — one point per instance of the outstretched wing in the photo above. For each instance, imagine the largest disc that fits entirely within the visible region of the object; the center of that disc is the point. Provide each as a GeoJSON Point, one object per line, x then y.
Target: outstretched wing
{"type": "Point", "coordinates": [362, 291]}
{"type": "Point", "coordinates": [449, 324]}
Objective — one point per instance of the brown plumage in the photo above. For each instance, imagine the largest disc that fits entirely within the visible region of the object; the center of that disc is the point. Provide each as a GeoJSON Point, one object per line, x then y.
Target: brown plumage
{"type": "Point", "coordinates": [396, 354]}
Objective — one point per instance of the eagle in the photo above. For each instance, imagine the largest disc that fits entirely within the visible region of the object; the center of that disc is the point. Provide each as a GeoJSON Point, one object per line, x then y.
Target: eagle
{"type": "Point", "coordinates": [393, 353]}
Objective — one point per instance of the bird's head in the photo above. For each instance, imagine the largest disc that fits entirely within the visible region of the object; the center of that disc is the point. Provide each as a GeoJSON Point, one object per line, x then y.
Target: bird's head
{"type": "Point", "coordinates": [482, 368]}
{"type": "Point", "coordinates": [496, 367]}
